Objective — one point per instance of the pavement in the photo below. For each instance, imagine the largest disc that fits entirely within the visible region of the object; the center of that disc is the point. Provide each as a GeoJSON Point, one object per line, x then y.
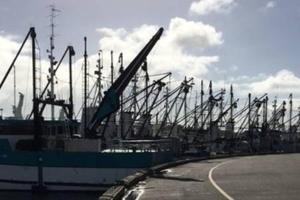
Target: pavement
{"type": "Point", "coordinates": [254, 177]}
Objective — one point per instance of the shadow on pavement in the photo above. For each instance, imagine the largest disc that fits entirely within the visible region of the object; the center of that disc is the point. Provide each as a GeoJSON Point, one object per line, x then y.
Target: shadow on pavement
{"type": "Point", "coordinates": [176, 178]}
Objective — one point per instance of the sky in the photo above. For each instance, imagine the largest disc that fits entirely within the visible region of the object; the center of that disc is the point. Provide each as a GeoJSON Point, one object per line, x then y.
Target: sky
{"type": "Point", "coordinates": [252, 44]}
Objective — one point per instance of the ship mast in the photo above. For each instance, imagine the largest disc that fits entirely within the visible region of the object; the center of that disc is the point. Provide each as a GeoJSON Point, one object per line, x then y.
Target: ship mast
{"type": "Point", "coordinates": [53, 12]}
{"type": "Point", "coordinates": [98, 72]}
{"type": "Point", "coordinates": [85, 93]}
{"type": "Point", "coordinates": [121, 70]}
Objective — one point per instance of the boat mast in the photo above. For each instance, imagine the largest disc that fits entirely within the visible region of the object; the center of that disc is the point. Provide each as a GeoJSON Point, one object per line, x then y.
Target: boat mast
{"type": "Point", "coordinates": [71, 106]}
{"type": "Point", "coordinates": [98, 72]}
{"type": "Point", "coordinates": [51, 57]}
{"type": "Point", "coordinates": [36, 117]}
{"type": "Point", "coordinates": [85, 85]}
{"type": "Point", "coordinates": [211, 106]}
{"type": "Point", "coordinates": [121, 70]}
{"type": "Point", "coordinates": [291, 115]}
{"type": "Point", "coordinates": [201, 105]}
{"type": "Point", "coordinates": [145, 68]}
{"type": "Point", "coordinates": [222, 106]}
{"type": "Point", "coordinates": [15, 87]}
{"type": "Point", "coordinates": [195, 111]}
{"type": "Point", "coordinates": [111, 67]}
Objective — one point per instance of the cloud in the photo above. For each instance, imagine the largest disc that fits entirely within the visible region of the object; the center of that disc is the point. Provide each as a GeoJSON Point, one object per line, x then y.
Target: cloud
{"type": "Point", "coordinates": [172, 52]}
{"type": "Point", "coordinates": [280, 84]}
{"type": "Point", "coordinates": [270, 4]}
{"type": "Point", "coordinates": [204, 7]}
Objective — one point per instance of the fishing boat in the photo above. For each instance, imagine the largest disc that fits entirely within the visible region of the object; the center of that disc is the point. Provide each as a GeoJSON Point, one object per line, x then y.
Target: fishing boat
{"type": "Point", "coordinates": [37, 154]}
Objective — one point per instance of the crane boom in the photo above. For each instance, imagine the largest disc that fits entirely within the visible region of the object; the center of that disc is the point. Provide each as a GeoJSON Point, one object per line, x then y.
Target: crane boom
{"type": "Point", "coordinates": [110, 102]}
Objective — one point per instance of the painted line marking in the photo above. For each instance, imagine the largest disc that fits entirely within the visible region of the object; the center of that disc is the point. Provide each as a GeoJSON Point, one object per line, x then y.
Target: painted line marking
{"type": "Point", "coordinates": [227, 196]}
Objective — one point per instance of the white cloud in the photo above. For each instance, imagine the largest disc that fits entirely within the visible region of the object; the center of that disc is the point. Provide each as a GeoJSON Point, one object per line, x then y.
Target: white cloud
{"type": "Point", "coordinates": [270, 4]}
{"type": "Point", "coordinates": [280, 84]}
{"type": "Point", "coordinates": [172, 52]}
{"type": "Point", "coordinates": [204, 7]}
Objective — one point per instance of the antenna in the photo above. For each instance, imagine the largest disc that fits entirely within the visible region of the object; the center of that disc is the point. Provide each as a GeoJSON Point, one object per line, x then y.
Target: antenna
{"type": "Point", "coordinates": [98, 72]}
{"type": "Point", "coordinates": [52, 16]}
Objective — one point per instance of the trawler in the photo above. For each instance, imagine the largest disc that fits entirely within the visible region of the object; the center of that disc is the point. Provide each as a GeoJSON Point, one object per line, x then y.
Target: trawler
{"type": "Point", "coordinates": [37, 154]}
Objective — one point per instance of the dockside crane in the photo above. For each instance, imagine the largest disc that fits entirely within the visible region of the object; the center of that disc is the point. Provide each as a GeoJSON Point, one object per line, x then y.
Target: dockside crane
{"type": "Point", "coordinates": [110, 102]}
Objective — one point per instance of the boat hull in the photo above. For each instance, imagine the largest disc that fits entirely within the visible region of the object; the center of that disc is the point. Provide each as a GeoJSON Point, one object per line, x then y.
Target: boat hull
{"type": "Point", "coordinates": [71, 171]}
{"type": "Point", "coordinates": [61, 178]}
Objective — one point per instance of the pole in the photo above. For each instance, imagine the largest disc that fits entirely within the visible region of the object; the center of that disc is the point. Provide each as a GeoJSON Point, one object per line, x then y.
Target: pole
{"type": "Point", "coordinates": [201, 104]}
{"type": "Point", "coordinates": [35, 102]}
{"type": "Point", "coordinates": [249, 121]}
{"type": "Point", "coordinates": [231, 108]}
{"type": "Point", "coordinates": [195, 112]}
{"type": "Point", "coordinates": [51, 57]}
{"type": "Point", "coordinates": [122, 97]}
{"type": "Point", "coordinates": [112, 67]}
{"type": "Point", "coordinates": [185, 103]}
{"type": "Point", "coordinates": [71, 53]}
{"type": "Point", "coordinates": [274, 114]}
{"type": "Point", "coordinates": [221, 106]}
{"type": "Point", "coordinates": [210, 115]}
{"type": "Point", "coordinates": [85, 85]}
{"type": "Point", "coordinates": [291, 115]}
{"type": "Point", "coordinates": [99, 73]}
{"type": "Point", "coordinates": [15, 87]}
{"type": "Point", "coordinates": [134, 94]}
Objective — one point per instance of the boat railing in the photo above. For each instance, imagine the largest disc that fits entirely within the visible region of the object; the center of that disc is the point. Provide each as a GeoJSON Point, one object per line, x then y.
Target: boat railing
{"type": "Point", "coordinates": [161, 145]}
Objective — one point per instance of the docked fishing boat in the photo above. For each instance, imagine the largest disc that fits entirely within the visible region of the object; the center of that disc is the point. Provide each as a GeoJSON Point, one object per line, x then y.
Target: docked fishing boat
{"type": "Point", "coordinates": [80, 167]}
{"type": "Point", "coordinates": [48, 154]}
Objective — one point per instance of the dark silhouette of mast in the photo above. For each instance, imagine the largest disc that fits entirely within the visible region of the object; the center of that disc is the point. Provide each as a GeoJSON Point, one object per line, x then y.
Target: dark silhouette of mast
{"type": "Point", "coordinates": [52, 59]}
{"type": "Point", "coordinates": [201, 105]}
{"type": "Point", "coordinates": [111, 67]}
{"type": "Point", "coordinates": [71, 107]}
{"type": "Point", "coordinates": [85, 85]}
{"type": "Point", "coordinates": [121, 103]}
{"type": "Point", "coordinates": [98, 72]}
{"type": "Point", "coordinates": [291, 115]}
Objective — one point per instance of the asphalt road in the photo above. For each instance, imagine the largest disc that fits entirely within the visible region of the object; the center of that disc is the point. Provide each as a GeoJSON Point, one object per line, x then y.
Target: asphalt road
{"type": "Point", "coordinates": [256, 177]}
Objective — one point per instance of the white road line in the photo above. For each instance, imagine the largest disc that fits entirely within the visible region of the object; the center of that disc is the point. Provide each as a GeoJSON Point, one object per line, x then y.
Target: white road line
{"type": "Point", "coordinates": [227, 196]}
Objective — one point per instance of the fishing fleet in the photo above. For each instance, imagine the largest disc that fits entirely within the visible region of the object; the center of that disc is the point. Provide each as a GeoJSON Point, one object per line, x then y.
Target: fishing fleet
{"type": "Point", "coordinates": [128, 129]}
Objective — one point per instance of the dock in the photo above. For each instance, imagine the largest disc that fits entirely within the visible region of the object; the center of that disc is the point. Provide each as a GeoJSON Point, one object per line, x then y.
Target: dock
{"type": "Point", "coordinates": [249, 177]}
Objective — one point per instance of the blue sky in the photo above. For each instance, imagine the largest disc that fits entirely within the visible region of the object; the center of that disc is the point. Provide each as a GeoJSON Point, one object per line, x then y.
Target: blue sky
{"type": "Point", "coordinates": [252, 44]}
{"type": "Point", "coordinates": [255, 37]}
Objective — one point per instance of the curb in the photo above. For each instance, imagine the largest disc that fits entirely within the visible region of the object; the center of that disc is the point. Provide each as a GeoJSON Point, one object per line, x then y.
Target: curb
{"type": "Point", "coordinates": [115, 192]}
